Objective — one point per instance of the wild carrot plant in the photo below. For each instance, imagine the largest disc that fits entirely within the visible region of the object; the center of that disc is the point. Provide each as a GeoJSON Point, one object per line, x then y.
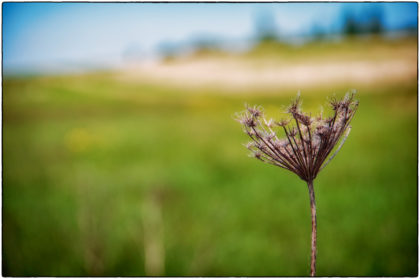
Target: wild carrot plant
{"type": "Point", "coordinates": [306, 146]}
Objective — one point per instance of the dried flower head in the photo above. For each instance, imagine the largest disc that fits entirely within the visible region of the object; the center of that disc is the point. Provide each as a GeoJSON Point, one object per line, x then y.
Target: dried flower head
{"type": "Point", "coordinates": [308, 141]}
{"type": "Point", "coordinates": [306, 147]}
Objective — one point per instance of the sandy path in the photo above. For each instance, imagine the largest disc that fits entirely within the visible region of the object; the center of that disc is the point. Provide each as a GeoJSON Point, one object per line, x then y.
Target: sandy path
{"type": "Point", "coordinates": [240, 75]}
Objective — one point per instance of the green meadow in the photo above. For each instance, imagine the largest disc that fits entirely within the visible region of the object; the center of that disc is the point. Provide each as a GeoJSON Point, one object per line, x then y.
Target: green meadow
{"type": "Point", "coordinates": [109, 178]}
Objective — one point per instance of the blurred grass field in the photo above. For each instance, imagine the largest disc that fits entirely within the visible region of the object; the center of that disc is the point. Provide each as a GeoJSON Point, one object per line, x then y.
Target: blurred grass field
{"type": "Point", "coordinates": [109, 178]}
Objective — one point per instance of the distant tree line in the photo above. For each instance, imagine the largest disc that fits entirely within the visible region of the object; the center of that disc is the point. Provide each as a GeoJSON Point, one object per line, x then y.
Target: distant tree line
{"type": "Point", "coordinates": [369, 21]}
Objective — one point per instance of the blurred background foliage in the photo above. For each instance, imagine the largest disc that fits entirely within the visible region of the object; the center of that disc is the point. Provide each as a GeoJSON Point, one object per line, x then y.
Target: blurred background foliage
{"type": "Point", "coordinates": [106, 174]}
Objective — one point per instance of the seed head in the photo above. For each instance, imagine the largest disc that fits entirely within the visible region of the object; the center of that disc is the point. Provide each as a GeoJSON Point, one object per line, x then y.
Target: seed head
{"type": "Point", "coordinates": [250, 122]}
{"type": "Point", "coordinates": [307, 144]}
{"type": "Point", "coordinates": [255, 111]}
{"type": "Point", "coordinates": [283, 122]}
{"type": "Point", "coordinates": [304, 119]}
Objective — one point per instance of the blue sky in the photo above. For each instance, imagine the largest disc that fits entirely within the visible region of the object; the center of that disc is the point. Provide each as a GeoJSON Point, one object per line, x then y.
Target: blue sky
{"type": "Point", "coordinates": [72, 34]}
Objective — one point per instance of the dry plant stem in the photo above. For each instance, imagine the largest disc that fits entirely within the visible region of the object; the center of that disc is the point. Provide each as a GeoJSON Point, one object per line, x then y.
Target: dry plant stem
{"type": "Point", "coordinates": [306, 147]}
{"type": "Point", "coordinates": [313, 237]}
